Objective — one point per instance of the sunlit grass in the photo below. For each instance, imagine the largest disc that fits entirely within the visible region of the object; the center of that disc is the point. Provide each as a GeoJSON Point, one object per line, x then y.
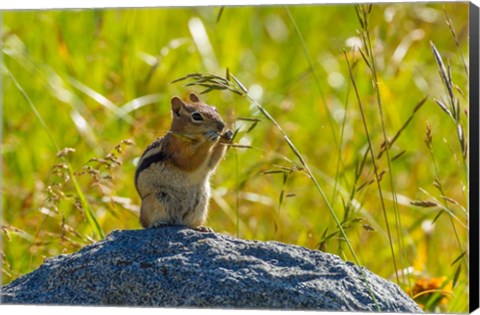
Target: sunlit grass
{"type": "Point", "coordinates": [101, 80]}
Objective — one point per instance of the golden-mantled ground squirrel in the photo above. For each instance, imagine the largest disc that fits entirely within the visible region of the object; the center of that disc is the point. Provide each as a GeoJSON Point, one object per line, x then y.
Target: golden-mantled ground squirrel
{"type": "Point", "coordinates": [173, 174]}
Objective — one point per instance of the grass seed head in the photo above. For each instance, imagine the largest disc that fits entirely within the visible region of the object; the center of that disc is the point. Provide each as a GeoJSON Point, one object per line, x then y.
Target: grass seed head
{"type": "Point", "coordinates": [428, 135]}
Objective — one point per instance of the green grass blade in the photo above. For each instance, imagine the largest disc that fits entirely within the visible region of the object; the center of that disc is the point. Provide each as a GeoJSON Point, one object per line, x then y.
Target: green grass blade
{"type": "Point", "coordinates": [91, 218]}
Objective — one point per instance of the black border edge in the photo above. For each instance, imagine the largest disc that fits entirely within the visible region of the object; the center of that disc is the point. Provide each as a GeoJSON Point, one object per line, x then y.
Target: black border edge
{"type": "Point", "coordinates": [474, 222]}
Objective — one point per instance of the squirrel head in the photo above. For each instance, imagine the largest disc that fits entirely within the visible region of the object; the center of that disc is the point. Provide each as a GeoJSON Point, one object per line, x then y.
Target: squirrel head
{"type": "Point", "coordinates": [194, 119]}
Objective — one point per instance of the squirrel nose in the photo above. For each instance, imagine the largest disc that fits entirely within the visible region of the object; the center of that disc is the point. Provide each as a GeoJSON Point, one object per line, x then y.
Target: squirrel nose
{"type": "Point", "coordinates": [220, 125]}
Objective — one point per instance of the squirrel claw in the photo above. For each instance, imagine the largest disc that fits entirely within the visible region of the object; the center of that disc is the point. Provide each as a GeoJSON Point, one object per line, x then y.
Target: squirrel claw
{"type": "Point", "coordinates": [228, 135]}
{"type": "Point", "coordinates": [203, 229]}
{"type": "Point", "coordinates": [158, 225]}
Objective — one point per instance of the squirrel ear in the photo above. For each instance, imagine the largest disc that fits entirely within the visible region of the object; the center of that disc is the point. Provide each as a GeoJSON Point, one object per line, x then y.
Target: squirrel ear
{"type": "Point", "coordinates": [177, 105]}
{"type": "Point", "coordinates": [194, 98]}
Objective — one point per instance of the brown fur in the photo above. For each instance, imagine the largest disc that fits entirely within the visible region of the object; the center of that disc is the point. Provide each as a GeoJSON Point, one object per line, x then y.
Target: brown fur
{"type": "Point", "coordinates": [173, 173]}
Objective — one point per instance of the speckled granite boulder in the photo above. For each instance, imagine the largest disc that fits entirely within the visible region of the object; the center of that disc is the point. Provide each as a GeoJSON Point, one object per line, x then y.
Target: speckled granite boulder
{"type": "Point", "coordinates": [179, 267]}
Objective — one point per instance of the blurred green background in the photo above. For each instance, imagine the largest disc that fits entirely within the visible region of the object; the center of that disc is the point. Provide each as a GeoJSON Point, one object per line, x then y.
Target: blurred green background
{"type": "Point", "coordinates": [99, 82]}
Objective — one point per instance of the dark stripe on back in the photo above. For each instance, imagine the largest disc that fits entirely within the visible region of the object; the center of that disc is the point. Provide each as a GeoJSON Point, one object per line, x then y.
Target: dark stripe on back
{"type": "Point", "coordinates": [146, 162]}
{"type": "Point", "coordinates": [154, 144]}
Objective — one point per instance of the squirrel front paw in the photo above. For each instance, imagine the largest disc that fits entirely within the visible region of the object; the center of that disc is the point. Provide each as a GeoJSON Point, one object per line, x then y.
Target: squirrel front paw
{"type": "Point", "coordinates": [227, 136]}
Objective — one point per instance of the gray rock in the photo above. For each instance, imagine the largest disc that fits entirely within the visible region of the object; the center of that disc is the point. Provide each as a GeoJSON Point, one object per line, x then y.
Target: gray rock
{"type": "Point", "coordinates": [180, 267]}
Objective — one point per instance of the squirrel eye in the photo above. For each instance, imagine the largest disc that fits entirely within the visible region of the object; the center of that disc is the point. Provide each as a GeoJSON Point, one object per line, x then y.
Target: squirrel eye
{"type": "Point", "coordinates": [197, 117]}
